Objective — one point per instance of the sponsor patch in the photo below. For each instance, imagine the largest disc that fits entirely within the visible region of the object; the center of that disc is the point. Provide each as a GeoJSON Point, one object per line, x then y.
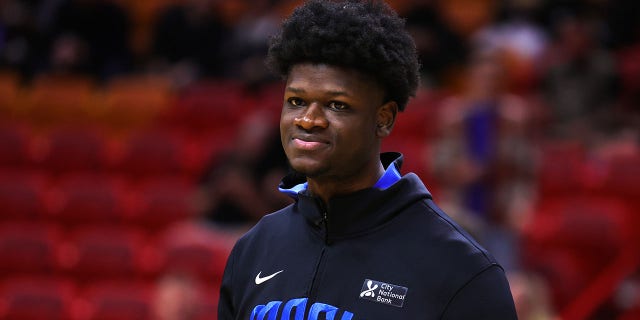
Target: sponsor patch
{"type": "Point", "coordinates": [384, 293]}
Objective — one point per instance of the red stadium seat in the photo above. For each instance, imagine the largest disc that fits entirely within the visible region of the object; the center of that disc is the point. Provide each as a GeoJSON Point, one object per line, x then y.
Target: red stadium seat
{"type": "Point", "coordinates": [22, 196]}
{"type": "Point", "coordinates": [117, 301]}
{"type": "Point", "coordinates": [132, 102]}
{"type": "Point", "coordinates": [87, 199]}
{"type": "Point", "coordinates": [195, 251]}
{"type": "Point", "coordinates": [633, 313]}
{"type": "Point", "coordinates": [207, 107]}
{"type": "Point", "coordinates": [36, 299]}
{"type": "Point", "coordinates": [110, 253]}
{"type": "Point", "coordinates": [151, 154]}
{"type": "Point", "coordinates": [560, 170]}
{"type": "Point", "coordinates": [623, 180]}
{"type": "Point", "coordinates": [74, 149]}
{"type": "Point", "coordinates": [10, 96]}
{"type": "Point", "coordinates": [29, 248]}
{"type": "Point", "coordinates": [572, 240]}
{"type": "Point", "coordinates": [418, 119]}
{"type": "Point", "coordinates": [15, 147]}
{"type": "Point", "coordinates": [162, 202]}
{"type": "Point", "coordinates": [60, 100]}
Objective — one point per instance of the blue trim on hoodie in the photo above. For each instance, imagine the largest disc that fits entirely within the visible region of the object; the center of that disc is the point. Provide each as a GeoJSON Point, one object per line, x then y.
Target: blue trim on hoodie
{"type": "Point", "coordinates": [390, 176]}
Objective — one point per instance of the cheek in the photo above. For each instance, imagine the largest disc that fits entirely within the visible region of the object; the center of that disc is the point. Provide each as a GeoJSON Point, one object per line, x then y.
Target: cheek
{"type": "Point", "coordinates": [285, 122]}
{"type": "Point", "coordinates": [357, 136]}
{"type": "Point", "coordinates": [283, 136]}
{"type": "Point", "coordinates": [287, 116]}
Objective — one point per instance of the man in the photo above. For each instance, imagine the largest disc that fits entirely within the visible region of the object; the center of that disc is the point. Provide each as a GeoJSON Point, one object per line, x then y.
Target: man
{"type": "Point", "coordinates": [361, 241]}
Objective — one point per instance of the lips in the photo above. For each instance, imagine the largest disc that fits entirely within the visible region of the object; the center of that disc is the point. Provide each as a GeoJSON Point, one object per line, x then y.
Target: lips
{"type": "Point", "coordinates": [308, 142]}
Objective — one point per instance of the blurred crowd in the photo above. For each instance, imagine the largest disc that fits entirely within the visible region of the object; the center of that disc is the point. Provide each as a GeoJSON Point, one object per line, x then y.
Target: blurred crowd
{"type": "Point", "coordinates": [526, 127]}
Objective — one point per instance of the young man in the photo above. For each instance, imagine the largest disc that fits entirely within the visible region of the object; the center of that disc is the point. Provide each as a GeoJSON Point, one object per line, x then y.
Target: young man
{"type": "Point", "coordinates": [361, 241]}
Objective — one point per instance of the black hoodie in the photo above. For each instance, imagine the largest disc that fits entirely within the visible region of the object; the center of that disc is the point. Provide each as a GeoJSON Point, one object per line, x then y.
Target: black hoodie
{"type": "Point", "coordinates": [379, 253]}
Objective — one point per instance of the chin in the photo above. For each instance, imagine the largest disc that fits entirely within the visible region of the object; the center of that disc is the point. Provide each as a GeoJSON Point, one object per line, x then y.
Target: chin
{"type": "Point", "coordinates": [308, 168]}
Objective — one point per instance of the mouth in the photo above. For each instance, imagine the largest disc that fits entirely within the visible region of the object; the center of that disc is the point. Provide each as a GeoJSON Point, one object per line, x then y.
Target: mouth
{"type": "Point", "coordinates": [308, 143]}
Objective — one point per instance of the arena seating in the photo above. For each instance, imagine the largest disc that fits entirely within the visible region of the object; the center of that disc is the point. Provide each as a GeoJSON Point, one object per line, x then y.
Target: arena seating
{"type": "Point", "coordinates": [97, 189]}
{"type": "Point", "coordinates": [37, 298]}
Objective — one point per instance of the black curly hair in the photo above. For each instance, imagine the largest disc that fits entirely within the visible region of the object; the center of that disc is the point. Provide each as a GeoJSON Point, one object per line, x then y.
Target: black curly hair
{"type": "Point", "coordinates": [367, 36]}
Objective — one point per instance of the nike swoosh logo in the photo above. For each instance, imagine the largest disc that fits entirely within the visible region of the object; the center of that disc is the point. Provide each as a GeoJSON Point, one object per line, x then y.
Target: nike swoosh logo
{"type": "Point", "coordinates": [260, 280]}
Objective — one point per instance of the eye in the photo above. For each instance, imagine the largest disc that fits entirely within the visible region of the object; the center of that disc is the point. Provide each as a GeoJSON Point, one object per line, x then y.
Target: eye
{"type": "Point", "coordinates": [338, 106]}
{"type": "Point", "coordinates": [295, 102]}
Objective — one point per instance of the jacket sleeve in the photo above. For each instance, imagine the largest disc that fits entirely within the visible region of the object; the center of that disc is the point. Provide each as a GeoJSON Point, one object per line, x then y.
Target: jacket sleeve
{"type": "Point", "coordinates": [226, 309]}
{"type": "Point", "coordinates": [486, 296]}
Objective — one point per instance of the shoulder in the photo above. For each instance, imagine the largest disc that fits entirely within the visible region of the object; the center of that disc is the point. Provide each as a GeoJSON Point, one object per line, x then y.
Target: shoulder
{"type": "Point", "coordinates": [448, 236]}
{"type": "Point", "coordinates": [456, 265]}
{"type": "Point", "coordinates": [433, 236]}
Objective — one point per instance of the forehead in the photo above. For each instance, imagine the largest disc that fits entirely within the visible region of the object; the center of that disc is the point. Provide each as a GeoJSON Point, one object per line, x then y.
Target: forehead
{"type": "Point", "coordinates": [328, 78]}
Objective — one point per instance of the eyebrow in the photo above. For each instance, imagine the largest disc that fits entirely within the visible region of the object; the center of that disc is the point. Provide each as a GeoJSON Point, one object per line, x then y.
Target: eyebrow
{"type": "Point", "coordinates": [333, 93]}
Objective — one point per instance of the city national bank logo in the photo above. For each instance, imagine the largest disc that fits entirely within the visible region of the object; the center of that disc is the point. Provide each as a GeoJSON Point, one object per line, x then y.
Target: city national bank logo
{"type": "Point", "coordinates": [370, 291]}
{"type": "Point", "coordinates": [295, 310]}
{"type": "Point", "coordinates": [384, 293]}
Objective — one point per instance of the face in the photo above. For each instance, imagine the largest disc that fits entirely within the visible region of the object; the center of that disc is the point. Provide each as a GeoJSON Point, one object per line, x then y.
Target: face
{"type": "Point", "coordinates": [332, 122]}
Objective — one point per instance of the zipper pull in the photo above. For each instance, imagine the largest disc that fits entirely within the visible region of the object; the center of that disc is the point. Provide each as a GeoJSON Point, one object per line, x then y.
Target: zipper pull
{"type": "Point", "coordinates": [325, 219]}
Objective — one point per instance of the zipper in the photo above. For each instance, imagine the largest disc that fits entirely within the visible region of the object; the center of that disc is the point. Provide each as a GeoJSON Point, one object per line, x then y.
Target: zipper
{"type": "Point", "coordinates": [320, 264]}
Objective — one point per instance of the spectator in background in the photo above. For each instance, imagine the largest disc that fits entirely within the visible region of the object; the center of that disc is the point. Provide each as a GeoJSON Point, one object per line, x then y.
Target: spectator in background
{"type": "Point", "coordinates": [91, 37]}
{"type": "Point", "coordinates": [189, 41]}
{"type": "Point", "coordinates": [520, 39]}
{"type": "Point", "coordinates": [20, 42]}
{"type": "Point", "coordinates": [483, 160]}
{"type": "Point", "coordinates": [175, 298]}
{"type": "Point", "coordinates": [249, 170]}
{"type": "Point", "coordinates": [531, 296]}
{"type": "Point", "coordinates": [246, 52]}
{"type": "Point", "coordinates": [580, 80]}
{"type": "Point", "coordinates": [439, 49]}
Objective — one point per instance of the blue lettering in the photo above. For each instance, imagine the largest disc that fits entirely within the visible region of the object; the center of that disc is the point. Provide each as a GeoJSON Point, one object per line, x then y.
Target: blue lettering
{"type": "Point", "coordinates": [318, 308]}
{"type": "Point", "coordinates": [300, 305]}
{"type": "Point", "coordinates": [260, 312]}
{"type": "Point", "coordinates": [270, 311]}
{"type": "Point", "coordinates": [256, 310]}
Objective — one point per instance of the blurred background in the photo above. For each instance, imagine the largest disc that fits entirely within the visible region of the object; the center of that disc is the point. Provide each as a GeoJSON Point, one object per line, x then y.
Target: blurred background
{"type": "Point", "coordinates": [139, 140]}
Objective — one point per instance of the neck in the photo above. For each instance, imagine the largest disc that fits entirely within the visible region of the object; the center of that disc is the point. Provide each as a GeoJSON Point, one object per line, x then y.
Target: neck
{"type": "Point", "coordinates": [326, 188]}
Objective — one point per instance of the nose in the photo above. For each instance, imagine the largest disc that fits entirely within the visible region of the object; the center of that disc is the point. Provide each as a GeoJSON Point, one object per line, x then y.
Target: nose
{"type": "Point", "coordinates": [312, 117]}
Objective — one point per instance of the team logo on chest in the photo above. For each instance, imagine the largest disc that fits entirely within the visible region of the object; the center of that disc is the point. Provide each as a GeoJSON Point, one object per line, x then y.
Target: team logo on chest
{"type": "Point", "coordinates": [297, 309]}
{"type": "Point", "coordinates": [384, 293]}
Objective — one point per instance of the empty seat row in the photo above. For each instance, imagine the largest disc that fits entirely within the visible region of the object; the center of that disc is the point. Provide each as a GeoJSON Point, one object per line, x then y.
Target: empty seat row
{"type": "Point", "coordinates": [126, 103]}
{"type": "Point", "coordinates": [80, 149]}
{"type": "Point", "coordinates": [56, 100]}
{"type": "Point", "coordinates": [106, 253]}
{"type": "Point", "coordinates": [572, 239]}
{"type": "Point", "coordinates": [59, 299]}
{"type": "Point", "coordinates": [83, 199]}
{"type": "Point", "coordinates": [566, 168]}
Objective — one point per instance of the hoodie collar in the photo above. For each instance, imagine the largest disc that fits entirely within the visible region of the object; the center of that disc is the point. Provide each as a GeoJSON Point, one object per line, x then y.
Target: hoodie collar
{"type": "Point", "coordinates": [390, 176]}
{"type": "Point", "coordinates": [363, 210]}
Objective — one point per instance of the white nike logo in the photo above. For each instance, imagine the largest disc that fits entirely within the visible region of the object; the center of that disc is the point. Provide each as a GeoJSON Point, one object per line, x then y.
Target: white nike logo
{"type": "Point", "coordinates": [260, 280]}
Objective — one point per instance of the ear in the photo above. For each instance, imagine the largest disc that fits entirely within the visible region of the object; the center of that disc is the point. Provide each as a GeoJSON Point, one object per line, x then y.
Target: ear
{"type": "Point", "coordinates": [386, 118]}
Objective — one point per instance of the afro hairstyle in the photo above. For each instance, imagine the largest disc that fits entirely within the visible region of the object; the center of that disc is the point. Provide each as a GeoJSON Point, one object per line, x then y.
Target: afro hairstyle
{"type": "Point", "coordinates": [367, 36]}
